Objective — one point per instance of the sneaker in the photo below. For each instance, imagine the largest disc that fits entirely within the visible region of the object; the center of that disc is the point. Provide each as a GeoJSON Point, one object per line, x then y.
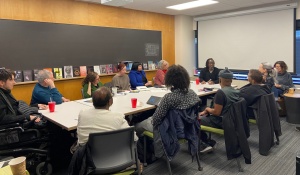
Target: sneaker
{"type": "Point", "coordinates": [205, 148]}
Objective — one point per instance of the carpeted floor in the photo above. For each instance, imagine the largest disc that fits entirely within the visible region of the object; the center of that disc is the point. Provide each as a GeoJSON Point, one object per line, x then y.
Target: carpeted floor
{"type": "Point", "coordinates": [281, 159]}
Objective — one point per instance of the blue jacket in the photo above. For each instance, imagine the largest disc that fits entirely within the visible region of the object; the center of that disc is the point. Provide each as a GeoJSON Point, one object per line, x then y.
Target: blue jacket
{"type": "Point", "coordinates": [41, 95]}
{"type": "Point", "coordinates": [178, 124]}
{"type": "Point", "coordinates": [136, 78]}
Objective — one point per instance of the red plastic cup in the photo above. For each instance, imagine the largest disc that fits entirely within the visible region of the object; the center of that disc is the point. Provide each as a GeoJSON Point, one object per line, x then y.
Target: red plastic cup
{"type": "Point", "coordinates": [51, 105]}
{"type": "Point", "coordinates": [197, 81]}
{"type": "Point", "coordinates": [133, 102]}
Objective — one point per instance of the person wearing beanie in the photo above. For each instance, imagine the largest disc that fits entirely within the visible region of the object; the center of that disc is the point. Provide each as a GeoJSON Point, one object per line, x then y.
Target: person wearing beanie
{"type": "Point", "coordinates": [224, 98]}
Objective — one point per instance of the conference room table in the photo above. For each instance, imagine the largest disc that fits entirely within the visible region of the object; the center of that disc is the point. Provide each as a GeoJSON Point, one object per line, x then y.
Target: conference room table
{"type": "Point", "coordinates": [66, 114]}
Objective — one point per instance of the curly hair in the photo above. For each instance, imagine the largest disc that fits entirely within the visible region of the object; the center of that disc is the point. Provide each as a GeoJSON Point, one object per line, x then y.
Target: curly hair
{"type": "Point", "coordinates": [177, 77]}
{"type": "Point", "coordinates": [90, 77]}
{"type": "Point", "coordinates": [207, 62]}
{"type": "Point", "coordinates": [283, 65]}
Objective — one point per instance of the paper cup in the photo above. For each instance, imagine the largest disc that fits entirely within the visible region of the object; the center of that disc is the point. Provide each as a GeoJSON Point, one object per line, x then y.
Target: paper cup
{"type": "Point", "coordinates": [18, 166]}
{"type": "Point", "coordinates": [291, 90]}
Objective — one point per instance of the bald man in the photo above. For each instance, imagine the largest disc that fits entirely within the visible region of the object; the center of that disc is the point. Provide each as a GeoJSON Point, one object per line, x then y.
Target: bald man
{"type": "Point", "coordinates": [99, 118]}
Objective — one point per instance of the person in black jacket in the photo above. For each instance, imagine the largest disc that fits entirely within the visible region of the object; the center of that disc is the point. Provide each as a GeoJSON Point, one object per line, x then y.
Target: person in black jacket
{"type": "Point", "coordinates": [254, 90]}
{"type": "Point", "coordinates": [209, 74]}
{"type": "Point", "coordinates": [9, 106]}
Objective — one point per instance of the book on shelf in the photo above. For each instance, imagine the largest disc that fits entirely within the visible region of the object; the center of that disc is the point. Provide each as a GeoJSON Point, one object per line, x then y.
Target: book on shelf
{"type": "Point", "coordinates": [109, 69]}
{"type": "Point", "coordinates": [76, 71]}
{"type": "Point", "coordinates": [57, 73]}
{"type": "Point", "coordinates": [128, 66]}
{"type": "Point", "coordinates": [145, 66]}
{"type": "Point", "coordinates": [49, 69]}
{"type": "Point", "coordinates": [19, 76]}
{"type": "Point", "coordinates": [83, 71]}
{"type": "Point", "coordinates": [103, 69]}
{"type": "Point", "coordinates": [155, 63]}
{"type": "Point", "coordinates": [89, 69]}
{"type": "Point", "coordinates": [97, 69]}
{"type": "Point", "coordinates": [150, 65]}
{"type": "Point", "coordinates": [27, 75]}
{"type": "Point", "coordinates": [115, 68]}
{"type": "Point", "coordinates": [35, 73]}
{"type": "Point", "coordinates": [68, 72]}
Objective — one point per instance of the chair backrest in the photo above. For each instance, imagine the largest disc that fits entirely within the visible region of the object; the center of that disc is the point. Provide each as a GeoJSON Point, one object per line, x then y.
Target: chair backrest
{"type": "Point", "coordinates": [112, 151]}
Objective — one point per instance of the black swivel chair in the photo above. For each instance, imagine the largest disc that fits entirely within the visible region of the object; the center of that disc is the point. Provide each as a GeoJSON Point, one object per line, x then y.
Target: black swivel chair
{"type": "Point", "coordinates": [113, 151]}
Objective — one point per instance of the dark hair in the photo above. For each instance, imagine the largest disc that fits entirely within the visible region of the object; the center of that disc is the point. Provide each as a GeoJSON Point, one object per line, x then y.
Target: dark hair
{"type": "Point", "coordinates": [135, 66]}
{"type": "Point", "coordinates": [177, 78]}
{"type": "Point", "coordinates": [90, 77]}
{"type": "Point", "coordinates": [256, 75]}
{"type": "Point", "coordinates": [121, 66]}
{"type": "Point", "coordinates": [207, 62]}
{"type": "Point", "coordinates": [282, 65]}
{"type": "Point", "coordinates": [6, 74]}
{"type": "Point", "coordinates": [101, 97]}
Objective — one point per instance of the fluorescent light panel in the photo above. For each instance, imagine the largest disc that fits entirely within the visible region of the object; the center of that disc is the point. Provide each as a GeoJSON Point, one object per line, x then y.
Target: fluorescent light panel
{"type": "Point", "coordinates": [192, 4]}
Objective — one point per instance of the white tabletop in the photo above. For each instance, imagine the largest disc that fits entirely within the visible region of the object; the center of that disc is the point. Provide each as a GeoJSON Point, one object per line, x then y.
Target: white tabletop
{"type": "Point", "coordinates": [66, 114]}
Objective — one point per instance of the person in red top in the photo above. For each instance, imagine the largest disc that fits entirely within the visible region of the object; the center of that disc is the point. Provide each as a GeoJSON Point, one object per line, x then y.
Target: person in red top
{"type": "Point", "coordinates": [159, 79]}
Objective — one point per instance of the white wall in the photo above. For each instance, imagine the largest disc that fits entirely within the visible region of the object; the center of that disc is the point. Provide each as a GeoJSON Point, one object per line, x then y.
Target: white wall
{"type": "Point", "coordinates": [184, 43]}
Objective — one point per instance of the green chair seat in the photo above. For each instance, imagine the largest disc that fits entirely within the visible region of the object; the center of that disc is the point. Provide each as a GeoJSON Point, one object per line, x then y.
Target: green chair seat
{"type": "Point", "coordinates": [212, 130]}
{"type": "Point", "coordinates": [253, 121]}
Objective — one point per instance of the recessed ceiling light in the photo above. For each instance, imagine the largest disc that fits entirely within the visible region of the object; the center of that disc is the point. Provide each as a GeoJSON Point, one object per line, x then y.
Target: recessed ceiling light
{"type": "Point", "coordinates": [192, 4]}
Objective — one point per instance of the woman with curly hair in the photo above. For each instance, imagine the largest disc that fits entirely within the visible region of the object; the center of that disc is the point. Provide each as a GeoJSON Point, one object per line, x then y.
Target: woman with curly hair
{"type": "Point", "coordinates": [90, 84]}
{"type": "Point", "coordinates": [284, 79]}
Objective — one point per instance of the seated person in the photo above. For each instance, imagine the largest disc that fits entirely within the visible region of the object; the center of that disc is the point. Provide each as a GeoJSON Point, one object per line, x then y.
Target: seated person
{"type": "Point", "coordinates": [181, 97]}
{"type": "Point", "coordinates": [209, 74]}
{"type": "Point", "coordinates": [224, 98]}
{"type": "Point", "coordinates": [90, 83]}
{"type": "Point", "coordinates": [121, 79]}
{"type": "Point", "coordinates": [269, 74]}
{"type": "Point", "coordinates": [45, 91]}
{"type": "Point", "coordinates": [254, 90]}
{"type": "Point", "coordinates": [99, 118]}
{"type": "Point", "coordinates": [9, 106]}
{"type": "Point", "coordinates": [137, 76]}
{"type": "Point", "coordinates": [284, 79]}
{"type": "Point", "coordinates": [159, 79]}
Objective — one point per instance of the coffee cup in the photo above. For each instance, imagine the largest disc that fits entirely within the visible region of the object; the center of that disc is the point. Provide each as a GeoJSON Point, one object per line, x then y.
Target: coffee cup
{"type": "Point", "coordinates": [291, 90]}
{"type": "Point", "coordinates": [114, 90]}
{"type": "Point", "coordinates": [18, 166]}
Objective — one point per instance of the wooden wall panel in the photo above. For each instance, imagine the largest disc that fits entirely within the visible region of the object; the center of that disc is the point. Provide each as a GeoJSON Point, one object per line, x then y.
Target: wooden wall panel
{"type": "Point", "coordinates": [81, 13]}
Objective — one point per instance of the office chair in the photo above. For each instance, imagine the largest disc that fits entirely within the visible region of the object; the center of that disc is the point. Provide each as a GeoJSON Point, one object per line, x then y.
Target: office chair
{"type": "Point", "coordinates": [113, 151]}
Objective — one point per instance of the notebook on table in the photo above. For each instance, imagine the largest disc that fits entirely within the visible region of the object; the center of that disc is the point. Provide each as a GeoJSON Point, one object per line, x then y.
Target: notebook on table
{"type": "Point", "coordinates": [154, 100]}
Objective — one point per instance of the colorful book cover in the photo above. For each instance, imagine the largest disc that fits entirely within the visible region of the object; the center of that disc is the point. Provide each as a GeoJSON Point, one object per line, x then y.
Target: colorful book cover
{"type": "Point", "coordinates": [58, 73]}
{"type": "Point", "coordinates": [49, 69]}
{"type": "Point", "coordinates": [150, 65]}
{"type": "Point", "coordinates": [35, 73]}
{"type": "Point", "coordinates": [83, 71]}
{"type": "Point", "coordinates": [19, 76]}
{"type": "Point", "coordinates": [128, 66]}
{"type": "Point", "coordinates": [68, 72]}
{"type": "Point", "coordinates": [103, 69]}
{"type": "Point", "coordinates": [109, 68]}
{"type": "Point", "coordinates": [145, 66]}
{"type": "Point", "coordinates": [89, 69]}
{"type": "Point", "coordinates": [76, 71]}
{"type": "Point", "coordinates": [27, 75]}
{"type": "Point", "coordinates": [115, 68]}
{"type": "Point", "coordinates": [97, 69]}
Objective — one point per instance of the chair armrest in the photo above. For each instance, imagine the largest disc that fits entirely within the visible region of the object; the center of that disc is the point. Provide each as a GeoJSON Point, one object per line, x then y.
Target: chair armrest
{"type": "Point", "coordinates": [11, 125]}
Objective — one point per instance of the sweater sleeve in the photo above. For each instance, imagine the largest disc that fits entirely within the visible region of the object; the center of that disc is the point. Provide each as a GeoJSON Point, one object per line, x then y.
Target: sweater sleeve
{"type": "Point", "coordinates": [134, 82]}
{"type": "Point", "coordinates": [85, 94]}
{"type": "Point", "coordinates": [43, 96]}
{"type": "Point", "coordinates": [10, 118]}
{"type": "Point", "coordinates": [289, 83]}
